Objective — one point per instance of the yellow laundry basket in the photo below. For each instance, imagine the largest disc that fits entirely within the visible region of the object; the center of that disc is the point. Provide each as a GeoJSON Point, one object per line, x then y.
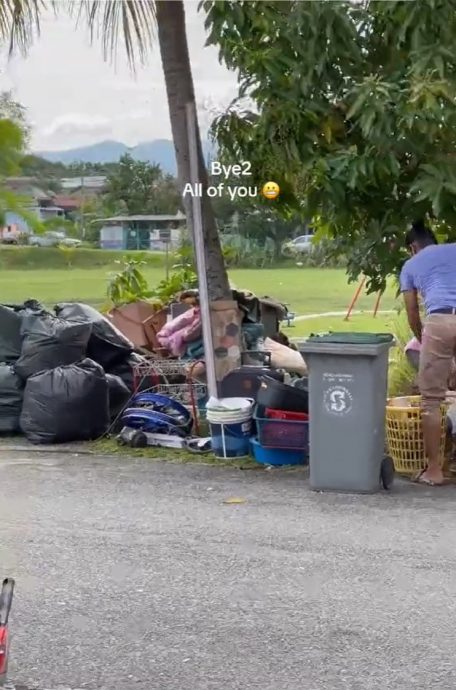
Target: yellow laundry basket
{"type": "Point", "coordinates": [404, 434]}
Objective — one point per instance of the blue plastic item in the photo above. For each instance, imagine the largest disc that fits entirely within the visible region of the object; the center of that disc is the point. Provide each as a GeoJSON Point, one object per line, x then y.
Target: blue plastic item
{"type": "Point", "coordinates": [152, 421]}
{"type": "Point", "coordinates": [158, 400]}
{"type": "Point", "coordinates": [178, 414]}
{"type": "Point", "coordinates": [231, 440]}
{"type": "Point", "coordinates": [276, 456]}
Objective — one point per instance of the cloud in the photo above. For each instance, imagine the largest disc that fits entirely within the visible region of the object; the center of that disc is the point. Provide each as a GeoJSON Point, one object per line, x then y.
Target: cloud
{"type": "Point", "coordinates": [83, 128]}
{"type": "Point", "coordinates": [124, 85]}
{"type": "Point", "coordinates": [93, 100]}
{"type": "Point", "coordinates": [72, 124]}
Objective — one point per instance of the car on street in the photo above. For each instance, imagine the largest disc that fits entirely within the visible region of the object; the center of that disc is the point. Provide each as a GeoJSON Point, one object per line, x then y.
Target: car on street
{"type": "Point", "coordinates": [300, 245]}
{"type": "Point", "coordinates": [53, 239]}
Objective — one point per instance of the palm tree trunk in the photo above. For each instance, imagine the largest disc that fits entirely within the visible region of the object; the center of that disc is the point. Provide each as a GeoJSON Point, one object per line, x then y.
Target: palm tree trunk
{"type": "Point", "coordinates": [179, 87]}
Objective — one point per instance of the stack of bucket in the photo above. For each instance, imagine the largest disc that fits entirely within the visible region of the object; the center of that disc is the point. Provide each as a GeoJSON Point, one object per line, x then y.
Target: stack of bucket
{"type": "Point", "coordinates": [230, 422]}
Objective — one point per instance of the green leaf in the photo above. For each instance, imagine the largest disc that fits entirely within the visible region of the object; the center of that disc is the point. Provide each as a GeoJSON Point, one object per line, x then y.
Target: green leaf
{"type": "Point", "coordinates": [381, 75]}
{"type": "Point", "coordinates": [357, 105]}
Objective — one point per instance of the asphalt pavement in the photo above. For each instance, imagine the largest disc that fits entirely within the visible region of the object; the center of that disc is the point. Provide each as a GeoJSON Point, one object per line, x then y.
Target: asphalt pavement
{"type": "Point", "coordinates": [137, 575]}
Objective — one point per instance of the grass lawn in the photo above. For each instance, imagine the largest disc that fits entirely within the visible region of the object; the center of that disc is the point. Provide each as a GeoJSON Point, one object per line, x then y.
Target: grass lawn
{"type": "Point", "coordinates": [307, 291]}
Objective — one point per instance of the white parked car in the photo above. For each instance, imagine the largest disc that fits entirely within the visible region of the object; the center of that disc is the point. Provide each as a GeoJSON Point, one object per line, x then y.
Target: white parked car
{"type": "Point", "coordinates": [299, 245]}
{"type": "Point", "coordinates": [53, 239]}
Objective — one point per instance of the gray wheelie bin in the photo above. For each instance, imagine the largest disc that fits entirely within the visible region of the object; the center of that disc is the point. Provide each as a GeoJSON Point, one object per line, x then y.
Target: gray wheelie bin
{"type": "Point", "coordinates": [348, 375]}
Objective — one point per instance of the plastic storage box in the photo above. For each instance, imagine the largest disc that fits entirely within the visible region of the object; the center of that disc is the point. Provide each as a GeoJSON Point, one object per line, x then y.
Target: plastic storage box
{"type": "Point", "coordinates": [280, 396]}
{"type": "Point", "coordinates": [279, 433]}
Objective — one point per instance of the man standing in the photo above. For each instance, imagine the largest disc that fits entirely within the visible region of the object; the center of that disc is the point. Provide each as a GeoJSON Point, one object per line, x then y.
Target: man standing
{"type": "Point", "coordinates": [431, 272]}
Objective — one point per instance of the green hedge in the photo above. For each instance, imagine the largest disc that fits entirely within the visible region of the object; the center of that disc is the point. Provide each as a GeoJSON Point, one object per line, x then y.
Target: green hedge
{"type": "Point", "coordinates": [52, 257]}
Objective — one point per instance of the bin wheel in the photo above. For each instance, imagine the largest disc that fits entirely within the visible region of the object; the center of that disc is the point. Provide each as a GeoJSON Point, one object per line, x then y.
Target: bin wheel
{"type": "Point", "coordinates": [138, 440]}
{"type": "Point", "coordinates": [387, 473]}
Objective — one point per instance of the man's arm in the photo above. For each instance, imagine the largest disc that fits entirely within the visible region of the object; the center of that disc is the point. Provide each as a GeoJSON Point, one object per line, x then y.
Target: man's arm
{"type": "Point", "coordinates": [408, 289]}
{"type": "Point", "coordinates": [413, 312]}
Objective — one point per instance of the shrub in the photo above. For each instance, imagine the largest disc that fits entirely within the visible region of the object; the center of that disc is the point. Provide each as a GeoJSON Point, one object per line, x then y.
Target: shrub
{"type": "Point", "coordinates": [401, 374]}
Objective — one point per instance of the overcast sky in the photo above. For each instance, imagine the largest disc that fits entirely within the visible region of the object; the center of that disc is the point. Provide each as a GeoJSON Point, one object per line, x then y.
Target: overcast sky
{"type": "Point", "coordinates": [74, 98]}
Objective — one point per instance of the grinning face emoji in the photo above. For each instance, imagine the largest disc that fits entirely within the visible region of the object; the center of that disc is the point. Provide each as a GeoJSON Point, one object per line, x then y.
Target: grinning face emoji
{"type": "Point", "coordinates": [271, 190]}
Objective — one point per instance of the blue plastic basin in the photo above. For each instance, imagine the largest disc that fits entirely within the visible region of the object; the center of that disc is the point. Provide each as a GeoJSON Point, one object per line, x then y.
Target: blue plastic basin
{"type": "Point", "coordinates": [277, 456]}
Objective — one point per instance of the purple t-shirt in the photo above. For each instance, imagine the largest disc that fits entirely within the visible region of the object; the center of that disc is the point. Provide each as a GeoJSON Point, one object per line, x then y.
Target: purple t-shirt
{"type": "Point", "coordinates": [432, 272]}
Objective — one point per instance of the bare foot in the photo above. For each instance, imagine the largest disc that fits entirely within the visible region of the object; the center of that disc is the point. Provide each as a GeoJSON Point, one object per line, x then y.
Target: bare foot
{"type": "Point", "coordinates": [432, 476]}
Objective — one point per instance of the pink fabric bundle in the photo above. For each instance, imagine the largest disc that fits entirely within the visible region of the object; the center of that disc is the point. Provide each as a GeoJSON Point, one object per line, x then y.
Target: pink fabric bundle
{"type": "Point", "coordinates": [184, 329]}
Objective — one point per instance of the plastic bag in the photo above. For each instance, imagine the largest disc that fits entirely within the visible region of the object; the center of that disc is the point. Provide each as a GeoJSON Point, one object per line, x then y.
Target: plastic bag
{"type": "Point", "coordinates": [107, 345]}
{"type": "Point", "coordinates": [119, 395]}
{"type": "Point", "coordinates": [68, 403]}
{"type": "Point", "coordinates": [49, 342]}
{"type": "Point", "coordinates": [11, 316]}
{"type": "Point", "coordinates": [10, 334]}
{"type": "Point", "coordinates": [11, 394]}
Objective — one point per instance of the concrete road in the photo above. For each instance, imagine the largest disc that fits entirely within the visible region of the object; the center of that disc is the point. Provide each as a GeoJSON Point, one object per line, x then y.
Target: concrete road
{"type": "Point", "coordinates": [137, 575]}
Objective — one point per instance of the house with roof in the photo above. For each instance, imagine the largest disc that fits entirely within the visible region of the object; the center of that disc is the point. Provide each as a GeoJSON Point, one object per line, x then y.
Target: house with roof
{"type": "Point", "coordinates": [37, 203]}
{"type": "Point", "coordinates": [87, 185]}
{"type": "Point", "coordinates": [69, 204]}
{"type": "Point", "coordinates": [142, 232]}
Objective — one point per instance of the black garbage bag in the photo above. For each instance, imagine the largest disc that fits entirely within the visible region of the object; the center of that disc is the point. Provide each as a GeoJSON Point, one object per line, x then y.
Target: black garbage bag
{"type": "Point", "coordinates": [119, 395]}
{"type": "Point", "coordinates": [11, 316]}
{"type": "Point", "coordinates": [49, 342]}
{"type": "Point", "coordinates": [30, 305]}
{"type": "Point", "coordinates": [107, 345]}
{"type": "Point", "coordinates": [125, 370]}
{"type": "Point", "coordinates": [11, 394]}
{"type": "Point", "coordinates": [68, 403]}
{"type": "Point", "coordinates": [10, 334]}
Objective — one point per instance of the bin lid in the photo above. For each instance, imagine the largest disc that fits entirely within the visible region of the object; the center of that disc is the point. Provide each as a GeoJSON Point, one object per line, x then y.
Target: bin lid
{"type": "Point", "coordinates": [352, 338]}
{"type": "Point", "coordinates": [347, 344]}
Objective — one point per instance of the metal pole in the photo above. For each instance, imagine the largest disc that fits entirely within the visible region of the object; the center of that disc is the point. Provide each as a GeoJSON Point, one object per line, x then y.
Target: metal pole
{"type": "Point", "coordinates": [167, 259]}
{"type": "Point", "coordinates": [200, 255]}
{"type": "Point", "coordinates": [82, 209]}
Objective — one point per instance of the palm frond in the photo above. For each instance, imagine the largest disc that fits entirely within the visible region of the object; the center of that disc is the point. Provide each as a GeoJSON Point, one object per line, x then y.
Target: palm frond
{"type": "Point", "coordinates": [112, 20]}
{"type": "Point", "coordinates": [20, 22]}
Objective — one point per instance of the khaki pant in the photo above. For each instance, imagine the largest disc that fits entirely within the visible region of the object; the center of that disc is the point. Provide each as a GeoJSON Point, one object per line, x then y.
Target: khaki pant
{"type": "Point", "coordinates": [436, 359]}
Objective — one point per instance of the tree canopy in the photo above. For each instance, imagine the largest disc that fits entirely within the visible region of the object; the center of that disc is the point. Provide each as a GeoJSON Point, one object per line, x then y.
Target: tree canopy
{"type": "Point", "coordinates": [254, 219]}
{"type": "Point", "coordinates": [132, 24]}
{"type": "Point", "coordinates": [13, 134]}
{"type": "Point", "coordinates": [137, 187]}
{"type": "Point", "coordinates": [13, 138]}
{"type": "Point", "coordinates": [352, 111]}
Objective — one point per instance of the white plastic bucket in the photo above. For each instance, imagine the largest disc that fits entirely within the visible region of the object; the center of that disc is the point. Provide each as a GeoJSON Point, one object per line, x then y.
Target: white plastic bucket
{"type": "Point", "coordinates": [229, 410]}
{"type": "Point", "coordinates": [230, 420]}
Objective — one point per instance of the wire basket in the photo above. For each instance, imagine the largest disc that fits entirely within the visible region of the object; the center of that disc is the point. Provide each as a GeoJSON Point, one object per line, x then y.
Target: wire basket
{"type": "Point", "coordinates": [187, 393]}
{"type": "Point", "coordinates": [163, 372]}
{"type": "Point", "coordinates": [404, 434]}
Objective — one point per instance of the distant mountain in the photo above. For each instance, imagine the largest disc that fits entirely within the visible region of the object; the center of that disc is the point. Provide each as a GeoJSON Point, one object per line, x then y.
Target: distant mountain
{"type": "Point", "coordinates": [160, 151]}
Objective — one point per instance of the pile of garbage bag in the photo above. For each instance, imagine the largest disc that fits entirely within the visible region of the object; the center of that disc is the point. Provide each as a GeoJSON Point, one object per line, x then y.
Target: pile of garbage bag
{"type": "Point", "coordinates": [64, 375]}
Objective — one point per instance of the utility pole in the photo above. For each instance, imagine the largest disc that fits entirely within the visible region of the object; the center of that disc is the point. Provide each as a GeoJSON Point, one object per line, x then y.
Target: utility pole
{"type": "Point", "coordinates": [82, 209]}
